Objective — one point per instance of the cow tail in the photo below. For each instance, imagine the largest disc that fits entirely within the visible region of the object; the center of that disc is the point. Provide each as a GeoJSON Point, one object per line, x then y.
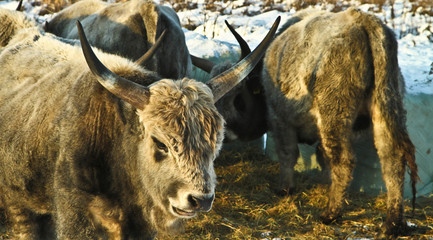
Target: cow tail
{"type": "Point", "coordinates": [388, 91]}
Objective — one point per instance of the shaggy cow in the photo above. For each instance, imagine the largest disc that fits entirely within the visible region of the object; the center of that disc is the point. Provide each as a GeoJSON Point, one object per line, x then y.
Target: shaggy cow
{"type": "Point", "coordinates": [102, 154]}
{"type": "Point", "coordinates": [327, 76]}
{"type": "Point", "coordinates": [129, 29]}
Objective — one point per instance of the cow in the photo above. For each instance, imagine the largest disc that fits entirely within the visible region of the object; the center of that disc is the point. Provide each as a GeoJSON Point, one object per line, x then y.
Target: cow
{"type": "Point", "coordinates": [129, 29]}
{"type": "Point", "coordinates": [327, 78]}
{"type": "Point", "coordinates": [115, 152]}
{"type": "Point", "coordinates": [13, 21]}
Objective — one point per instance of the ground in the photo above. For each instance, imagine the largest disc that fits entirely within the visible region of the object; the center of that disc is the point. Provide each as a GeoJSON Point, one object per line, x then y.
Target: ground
{"type": "Point", "coordinates": [246, 206]}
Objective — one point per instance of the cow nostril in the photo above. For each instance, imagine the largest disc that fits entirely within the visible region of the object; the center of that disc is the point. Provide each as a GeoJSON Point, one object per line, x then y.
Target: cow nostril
{"type": "Point", "coordinates": [193, 201]}
{"type": "Point", "coordinates": [203, 203]}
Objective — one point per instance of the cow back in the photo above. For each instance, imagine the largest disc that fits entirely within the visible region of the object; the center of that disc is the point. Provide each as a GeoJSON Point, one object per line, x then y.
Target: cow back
{"type": "Point", "coordinates": [129, 29]}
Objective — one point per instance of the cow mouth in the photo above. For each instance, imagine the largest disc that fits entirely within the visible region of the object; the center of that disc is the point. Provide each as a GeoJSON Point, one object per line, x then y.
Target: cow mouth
{"type": "Point", "coordinates": [184, 213]}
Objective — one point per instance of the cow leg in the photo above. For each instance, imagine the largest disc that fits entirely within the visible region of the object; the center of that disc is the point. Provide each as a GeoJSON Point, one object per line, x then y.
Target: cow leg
{"type": "Point", "coordinates": [23, 224]}
{"type": "Point", "coordinates": [323, 164]}
{"type": "Point", "coordinates": [72, 219]}
{"type": "Point", "coordinates": [79, 214]}
{"type": "Point", "coordinates": [334, 125]}
{"type": "Point", "coordinates": [338, 151]}
{"type": "Point", "coordinates": [108, 216]}
{"type": "Point", "coordinates": [393, 150]}
{"type": "Point", "coordinates": [287, 150]}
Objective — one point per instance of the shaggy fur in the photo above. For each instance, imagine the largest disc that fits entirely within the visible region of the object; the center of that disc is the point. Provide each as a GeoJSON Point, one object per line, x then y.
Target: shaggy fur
{"type": "Point", "coordinates": [129, 29]}
{"type": "Point", "coordinates": [324, 76]}
{"type": "Point", "coordinates": [10, 23]}
{"type": "Point", "coordinates": [77, 162]}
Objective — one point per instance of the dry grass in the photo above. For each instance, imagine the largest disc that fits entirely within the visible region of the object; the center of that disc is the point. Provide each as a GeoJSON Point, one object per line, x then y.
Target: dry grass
{"type": "Point", "coordinates": [246, 206]}
{"type": "Point", "coordinates": [424, 7]}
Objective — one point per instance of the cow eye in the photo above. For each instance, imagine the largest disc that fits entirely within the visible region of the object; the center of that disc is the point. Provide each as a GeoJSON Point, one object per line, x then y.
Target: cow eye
{"type": "Point", "coordinates": [161, 146]}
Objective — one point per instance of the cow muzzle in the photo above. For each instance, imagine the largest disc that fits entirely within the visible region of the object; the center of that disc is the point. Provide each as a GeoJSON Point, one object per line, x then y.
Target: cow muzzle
{"type": "Point", "coordinates": [201, 203]}
{"type": "Point", "coordinates": [194, 204]}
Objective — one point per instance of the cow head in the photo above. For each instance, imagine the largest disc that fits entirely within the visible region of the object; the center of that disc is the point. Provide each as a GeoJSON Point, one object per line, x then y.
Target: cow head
{"type": "Point", "coordinates": [183, 132]}
{"type": "Point", "coordinates": [244, 107]}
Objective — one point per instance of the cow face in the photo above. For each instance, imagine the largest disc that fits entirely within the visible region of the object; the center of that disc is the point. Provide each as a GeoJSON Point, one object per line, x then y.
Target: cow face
{"type": "Point", "coordinates": [244, 107]}
{"type": "Point", "coordinates": [183, 134]}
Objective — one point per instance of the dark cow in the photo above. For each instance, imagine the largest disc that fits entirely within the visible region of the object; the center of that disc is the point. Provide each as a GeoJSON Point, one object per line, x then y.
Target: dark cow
{"type": "Point", "coordinates": [243, 108]}
{"type": "Point", "coordinates": [117, 153]}
{"type": "Point", "coordinates": [129, 29]}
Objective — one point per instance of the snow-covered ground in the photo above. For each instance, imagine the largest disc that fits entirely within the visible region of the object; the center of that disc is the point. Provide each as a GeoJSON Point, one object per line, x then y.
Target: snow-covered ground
{"type": "Point", "coordinates": [414, 32]}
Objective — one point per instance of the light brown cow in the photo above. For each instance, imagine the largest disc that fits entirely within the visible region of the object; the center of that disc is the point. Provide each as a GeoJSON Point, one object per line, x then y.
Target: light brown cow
{"type": "Point", "coordinates": [326, 77]}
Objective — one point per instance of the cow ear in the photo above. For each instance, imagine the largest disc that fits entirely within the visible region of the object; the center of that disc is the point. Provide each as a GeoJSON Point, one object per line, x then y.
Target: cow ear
{"type": "Point", "coordinates": [245, 49]}
{"type": "Point", "coordinates": [131, 92]}
{"type": "Point", "coordinates": [225, 81]}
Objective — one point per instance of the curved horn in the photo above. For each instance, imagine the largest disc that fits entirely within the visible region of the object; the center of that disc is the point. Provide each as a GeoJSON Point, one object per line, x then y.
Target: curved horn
{"type": "Point", "coordinates": [225, 81]}
{"type": "Point", "coordinates": [149, 53]}
{"type": "Point", "coordinates": [202, 63]}
{"type": "Point", "coordinates": [245, 49]}
{"type": "Point", "coordinates": [133, 93]}
{"type": "Point", "coordinates": [20, 4]}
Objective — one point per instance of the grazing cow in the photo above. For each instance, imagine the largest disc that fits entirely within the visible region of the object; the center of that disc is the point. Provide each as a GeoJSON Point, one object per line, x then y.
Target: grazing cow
{"type": "Point", "coordinates": [102, 153]}
{"type": "Point", "coordinates": [326, 77]}
{"type": "Point", "coordinates": [129, 29]}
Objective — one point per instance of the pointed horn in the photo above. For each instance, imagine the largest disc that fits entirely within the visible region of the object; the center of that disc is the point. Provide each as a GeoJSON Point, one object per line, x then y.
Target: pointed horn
{"type": "Point", "coordinates": [131, 92]}
{"type": "Point", "coordinates": [225, 81]}
{"type": "Point", "coordinates": [149, 53]}
{"type": "Point", "coordinates": [245, 49]}
{"type": "Point", "coordinates": [202, 63]}
{"type": "Point", "coordinates": [20, 4]}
